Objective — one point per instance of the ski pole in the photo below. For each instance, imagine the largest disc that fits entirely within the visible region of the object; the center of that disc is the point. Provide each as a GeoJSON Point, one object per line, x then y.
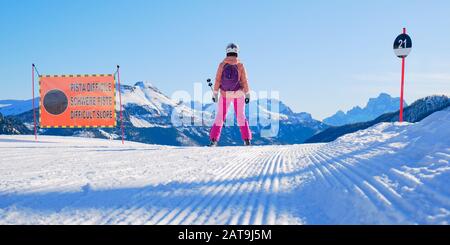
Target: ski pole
{"type": "Point", "coordinates": [210, 84]}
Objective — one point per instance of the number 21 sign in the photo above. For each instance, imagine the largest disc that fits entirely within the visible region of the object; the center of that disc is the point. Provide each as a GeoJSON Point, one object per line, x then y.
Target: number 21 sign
{"type": "Point", "coordinates": [402, 45]}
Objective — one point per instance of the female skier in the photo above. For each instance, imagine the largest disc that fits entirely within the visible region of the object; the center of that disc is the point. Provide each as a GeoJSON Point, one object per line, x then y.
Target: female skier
{"type": "Point", "coordinates": [231, 79]}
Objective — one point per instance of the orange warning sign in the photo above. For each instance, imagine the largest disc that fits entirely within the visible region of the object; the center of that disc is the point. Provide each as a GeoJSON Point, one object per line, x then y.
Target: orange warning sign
{"type": "Point", "coordinates": [76, 101]}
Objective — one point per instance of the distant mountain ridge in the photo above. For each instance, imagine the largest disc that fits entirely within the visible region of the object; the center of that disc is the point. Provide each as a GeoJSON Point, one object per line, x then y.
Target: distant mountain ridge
{"type": "Point", "coordinates": [15, 107]}
{"type": "Point", "coordinates": [415, 112]}
{"type": "Point", "coordinates": [12, 126]}
{"type": "Point", "coordinates": [148, 117]}
{"type": "Point", "coordinates": [375, 107]}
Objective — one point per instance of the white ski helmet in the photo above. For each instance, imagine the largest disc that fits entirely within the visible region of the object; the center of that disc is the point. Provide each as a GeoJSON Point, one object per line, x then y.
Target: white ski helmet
{"type": "Point", "coordinates": [232, 48]}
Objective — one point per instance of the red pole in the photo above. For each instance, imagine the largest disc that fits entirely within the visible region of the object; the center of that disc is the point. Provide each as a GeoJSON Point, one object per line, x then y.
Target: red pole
{"type": "Point", "coordinates": [120, 103]}
{"type": "Point", "coordinates": [34, 110]}
{"type": "Point", "coordinates": [401, 90]}
{"type": "Point", "coordinates": [402, 85]}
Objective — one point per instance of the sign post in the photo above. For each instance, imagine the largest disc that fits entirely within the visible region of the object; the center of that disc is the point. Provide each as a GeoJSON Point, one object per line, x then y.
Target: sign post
{"type": "Point", "coordinates": [120, 103]}
{"type": "Point", "coordinates": [34, 109]}
{"type": "Point", "coordinates": [402, 47]}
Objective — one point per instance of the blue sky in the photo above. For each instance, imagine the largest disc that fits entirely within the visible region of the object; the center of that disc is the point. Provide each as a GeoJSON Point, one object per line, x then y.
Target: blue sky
{"type": "Point", "coordinates": [320, 55]}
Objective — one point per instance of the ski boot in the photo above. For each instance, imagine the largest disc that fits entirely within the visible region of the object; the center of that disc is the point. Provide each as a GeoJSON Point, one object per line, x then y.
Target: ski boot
{"type": "Point", "coordinates": [247, 143]}
{"type": "Point", "coordinates": [213, 143]}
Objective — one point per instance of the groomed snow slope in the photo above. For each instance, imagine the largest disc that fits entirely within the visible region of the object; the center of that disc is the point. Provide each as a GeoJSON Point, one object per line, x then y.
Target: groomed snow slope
{"type": "Point", "coordinates": [387, 174]}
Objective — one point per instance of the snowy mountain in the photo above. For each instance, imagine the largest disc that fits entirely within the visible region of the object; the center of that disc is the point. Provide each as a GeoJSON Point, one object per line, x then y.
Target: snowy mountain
{"type": "Point", "coordinates": [148, 118]}
{"type": "Point", "coordinates": [15, 107]}
{"type": "Point", "coordinates": [146, 106]}
{"type": "Point", "coordinates": [262, 110]}
{"type": "Point", "coordinates": [413, 113]}
{"type": "Point", "coordinates": [12, 126]}
{"type": "Point", "coordinates": [148, 111]}
{"type": "Point", "coordinates": [384, 103]}
{"type": "Point", "coordinates": [390, 173]}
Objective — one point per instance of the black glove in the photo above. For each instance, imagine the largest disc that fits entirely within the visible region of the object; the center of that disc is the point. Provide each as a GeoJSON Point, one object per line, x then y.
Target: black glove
{"type": "Point", "coordinates": [215, 97]}
{"type": "Point", "coordinates": [247, 98]}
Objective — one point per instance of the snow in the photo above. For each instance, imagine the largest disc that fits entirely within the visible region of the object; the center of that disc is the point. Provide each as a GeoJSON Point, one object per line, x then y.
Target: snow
{"type": "Point", "coordinates": [391, 173]}
{"type": "Point", "coordinates": [258, 111]}
{"type": "Point", "coordinates": [264, 113]}
{"type": "Point", "coordinates": [157, 104]}
{"type": "Point", "coordinates": [15, 107]}
{"type": "Point", "coordinates": [145, 94]}
{"type": "Point", "coordinates": [142, 123]}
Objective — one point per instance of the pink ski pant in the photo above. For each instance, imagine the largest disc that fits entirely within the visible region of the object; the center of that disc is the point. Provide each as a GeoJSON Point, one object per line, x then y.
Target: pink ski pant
{"type": "Point", "coordinates": [239, 111]}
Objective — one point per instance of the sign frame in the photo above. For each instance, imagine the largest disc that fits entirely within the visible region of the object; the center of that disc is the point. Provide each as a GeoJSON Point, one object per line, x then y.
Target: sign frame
{"type": "Point", "coordinates": [114, 104]}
